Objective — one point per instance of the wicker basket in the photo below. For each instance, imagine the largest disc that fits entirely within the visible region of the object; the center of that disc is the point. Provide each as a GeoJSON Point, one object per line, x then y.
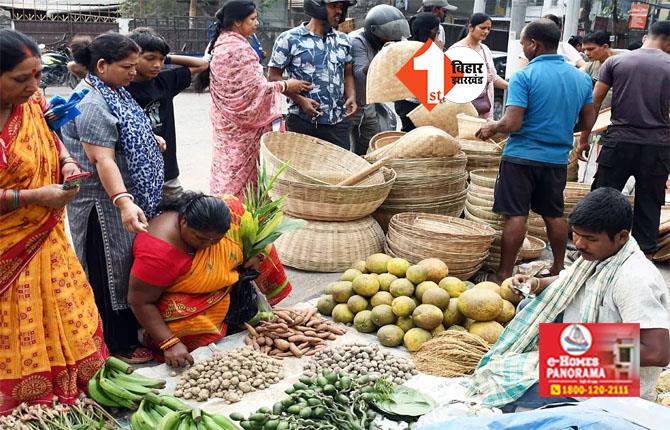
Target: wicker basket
{"type": "Point", "coordinates": [422, 142]}
{"type": "Point", "coordinates": [484, 177]}
{"type": "Point", "coordinates": [532, 249]}
{"type": "Point", "coordinates": [453, 208]}
{"type": "Point", "coordinates": [468, 125]}
{"type": "Point", "coordinates": [384, 138]}
{"type": "Point", "coordinates": [312, 160]}
{"type": "Point", "coordinates": [347, 26]}
{"type": "Point", "coordinates": [481, 148]}
{"type": "Point", "coordinates": [481, 192]}
{"type": "Point", "coordinates": [461, 244]}
{"type": "Point", "coordinates": [483, 203]}
{"type": "Point", "coordinates": [442, 116]}
{"type": "Point", "coordinates": [420, 167]}
{"type": "Point", "coordinates": [483, 213]}
{"type": "Point", "coordinates": [476, 162]}
{"type": "Point", "coordinates": [382, 83]}
{"type": "Point", "coordinates": [332, 202]}
{"type": "Point", "coordinates": [330, 246]}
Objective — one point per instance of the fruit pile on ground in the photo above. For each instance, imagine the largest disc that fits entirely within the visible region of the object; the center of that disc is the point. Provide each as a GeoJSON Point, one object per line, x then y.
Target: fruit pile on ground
{"type": "Point", "coordinates": [409, 304]}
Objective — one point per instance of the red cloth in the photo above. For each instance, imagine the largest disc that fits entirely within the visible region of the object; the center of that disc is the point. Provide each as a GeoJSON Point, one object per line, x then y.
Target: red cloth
{"type": "Point", "coordinates": [158, 262]}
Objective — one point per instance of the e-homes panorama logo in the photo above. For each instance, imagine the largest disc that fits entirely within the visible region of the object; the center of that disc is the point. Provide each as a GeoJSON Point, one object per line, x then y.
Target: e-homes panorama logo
{"type": "Point", "coordinates": [433, 76]}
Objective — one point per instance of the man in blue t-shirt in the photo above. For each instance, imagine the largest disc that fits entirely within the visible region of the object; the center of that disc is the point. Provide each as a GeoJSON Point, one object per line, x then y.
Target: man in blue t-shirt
{"type": "Point", "coordinates": [545, 100]}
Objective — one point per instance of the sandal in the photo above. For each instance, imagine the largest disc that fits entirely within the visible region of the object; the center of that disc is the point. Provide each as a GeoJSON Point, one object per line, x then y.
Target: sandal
{"type": "Point", "coordinates": [139, 355]}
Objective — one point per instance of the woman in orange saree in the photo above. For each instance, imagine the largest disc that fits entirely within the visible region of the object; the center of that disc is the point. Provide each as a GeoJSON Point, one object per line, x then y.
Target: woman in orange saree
{"type": "Point", "coordinates": [50, 333]}
{"type": "Point", "coordinates": [185, 268]}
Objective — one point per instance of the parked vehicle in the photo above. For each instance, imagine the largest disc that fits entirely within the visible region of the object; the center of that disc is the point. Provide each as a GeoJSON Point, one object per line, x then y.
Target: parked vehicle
{"type": "Point", "coordinates": [55, 71]}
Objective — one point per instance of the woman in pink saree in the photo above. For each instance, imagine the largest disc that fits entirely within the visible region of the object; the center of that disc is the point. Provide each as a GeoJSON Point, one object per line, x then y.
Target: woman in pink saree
{"type": "Point", "coordinates": [244, 103]}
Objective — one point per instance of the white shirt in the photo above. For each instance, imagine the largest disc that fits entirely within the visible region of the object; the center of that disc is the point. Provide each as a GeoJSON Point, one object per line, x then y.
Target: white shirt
{"type": "Point", "coordinates": [638, 294]}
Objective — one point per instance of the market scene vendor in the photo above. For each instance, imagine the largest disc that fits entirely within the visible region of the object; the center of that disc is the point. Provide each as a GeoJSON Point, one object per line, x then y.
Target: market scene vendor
{"type": "Point", "coordinates": [184, 269]}
{"type": "Point", "coordinates": [612, 282]}
{"type": "Point", "coordinates": [314, 243]}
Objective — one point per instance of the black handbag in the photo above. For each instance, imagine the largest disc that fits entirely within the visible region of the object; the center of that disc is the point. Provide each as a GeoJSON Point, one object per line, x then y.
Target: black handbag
{"type": "Point", "coordinates": [243, 301]}
{"type": "Point", "coordinates": [483, 103]}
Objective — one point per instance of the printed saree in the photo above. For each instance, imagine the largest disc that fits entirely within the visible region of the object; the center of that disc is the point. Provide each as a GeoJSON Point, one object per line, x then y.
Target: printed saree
{"type": "Point", "coordinates": [244, 104]}
{"type": "Point", "coordinates": [195, 306]}
{"type": "Point", "coordinates": [50, 333]}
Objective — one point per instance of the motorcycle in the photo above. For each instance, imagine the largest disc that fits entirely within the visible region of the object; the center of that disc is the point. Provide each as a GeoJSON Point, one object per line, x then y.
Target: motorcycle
{"type": "Point", "coordinates": [55, 71]}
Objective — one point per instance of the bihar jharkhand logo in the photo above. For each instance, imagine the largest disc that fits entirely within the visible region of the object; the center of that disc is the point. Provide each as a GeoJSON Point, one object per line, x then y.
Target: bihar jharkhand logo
{"type": "Point", "coordinates": [433, 76]}
{"type": "Point", "coordinates": [576, 339]}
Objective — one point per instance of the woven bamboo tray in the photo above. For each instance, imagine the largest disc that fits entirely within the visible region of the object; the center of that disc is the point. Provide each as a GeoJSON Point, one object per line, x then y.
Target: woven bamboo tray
{"type": "Point", "coordinates": [483, 213]}
{"type": "Point", "coordinates": [482, 162]}
{"type": "Point", "coordinates": [442, 116]}
{"type": "Point", "coordinates": [497, 225]}
{"type": "Point", "coordinates": [420, 167]}
{"type": "Point", "coordinates": [468, 125]}
{"type": "Point", "coordinates": [452, 208]}
{"type": "Point", "coordinates": [330, 246]}
{"type": "Point", "coordinates": [332, 202]}
{"type": "Point", "coordinates": [484, 177]}
{"type": "Point", "coordinates": [312, 160]}
{"type": "Point", "coordinates": [479, 147]}
{"type": "Point", "coordinates": [384, 138]}
{"type": "Point", "coordinates": [481, 192]}
{"type": "Point", "coordinates": [422, 142]}
{"type": "Point", "coordinates": [532, 249]}
{"type": "Point", "coordinates": [483, 203]}
{"type": "Point", "coordinates": [462, 245]}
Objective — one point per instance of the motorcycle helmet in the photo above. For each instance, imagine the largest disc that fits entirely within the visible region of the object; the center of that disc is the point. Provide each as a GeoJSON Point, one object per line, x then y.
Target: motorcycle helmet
{"type": "Point", "coordinates": [386, 23]}
{"type": "Point", "coordinates": [317, 8]}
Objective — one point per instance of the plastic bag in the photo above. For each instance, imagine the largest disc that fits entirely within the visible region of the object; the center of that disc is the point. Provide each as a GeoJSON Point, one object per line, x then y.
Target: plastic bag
{"type": "Point", "coordinates": [243, 301]}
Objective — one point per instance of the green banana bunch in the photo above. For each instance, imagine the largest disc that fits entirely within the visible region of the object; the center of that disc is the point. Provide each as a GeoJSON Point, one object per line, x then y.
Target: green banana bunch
{"type": "Point", "coordinates": [153, 409]}
{"type": "Point", "coordinates": [115, 386]}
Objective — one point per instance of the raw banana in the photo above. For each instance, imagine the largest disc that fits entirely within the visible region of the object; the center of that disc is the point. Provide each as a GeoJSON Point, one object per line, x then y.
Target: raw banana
{"type": "Point", "coordinates": [114, 363]}
{"type": "Point", "coordinates": [223, 421]}
{"type": "Point", "coordinates": [138, 379]}
{"type": "Point", "coordinates": [170, 421]}
{"type": "Point", "coordinates": [111, 388]}
{"type": "Point", "coordinates": [210, 424]}
{"type": "Point", "coordinates": [96, 393]}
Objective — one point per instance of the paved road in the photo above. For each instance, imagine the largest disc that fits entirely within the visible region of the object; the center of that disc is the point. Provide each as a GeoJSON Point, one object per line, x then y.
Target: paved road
{"type": "Point", "coordinates": [195, 153]}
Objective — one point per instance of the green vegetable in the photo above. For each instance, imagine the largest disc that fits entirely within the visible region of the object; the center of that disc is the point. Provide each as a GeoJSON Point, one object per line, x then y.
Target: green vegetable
{"type": "Point", "coordinates": [236, 416]}
{"type": "Point", "coordinates": [405, 402]}
{"type": "Point", "coordinates": [306, 412]}
{"type": "Point", "coordinates": [277, 408]}
{"type": "Point", "coordinates": [294, 410]}
{"type": "Point", "coordinates": [247, 425]}
{"type": "Point", "coordinates": [271, 425]}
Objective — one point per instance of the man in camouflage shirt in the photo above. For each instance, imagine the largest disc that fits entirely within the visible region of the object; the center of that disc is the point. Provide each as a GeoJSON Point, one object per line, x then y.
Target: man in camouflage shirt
{"type": "Point", "coordinates": [315, 52]}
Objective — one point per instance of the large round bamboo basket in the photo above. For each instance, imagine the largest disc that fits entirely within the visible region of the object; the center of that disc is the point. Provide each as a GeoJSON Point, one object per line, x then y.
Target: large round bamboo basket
{"type": "Point", "coordinates": [483, 212]}
{"type": "Point", "coordinates": [484, 178]}
{"type": "Point", "coordinates": [468, 125]}
{"type": "Point", "coordinates": [312, 160]}
{"type": "Point", "coordinates": [332, 202]}
{"type": "Point", "coordinates": [432, 188]}
{"type": "Point", "coordinates": [461, 244]}
{"type": "Point", "coordinates": [482, 162]}
{"type": "Point", "coordinates": [384, 138]}
{"type": "Point", "coordinates": [442, 116]}
{"type": "Point", "coordinates": [330, 246]}
{"type": "Point", "coordinates": [532, 248]}
{"type": "Point", "coordinates": [453, 208]}
{"type": "Point", "coordinates": [479, 147]}
{"type": "Point", "coordinates": [382, 83]}
{"type": "Point", "coordinates": [420, 167]}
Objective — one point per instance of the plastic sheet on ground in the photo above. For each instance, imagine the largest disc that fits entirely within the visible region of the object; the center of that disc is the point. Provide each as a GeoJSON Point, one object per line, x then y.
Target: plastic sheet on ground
{"type": "Point", "coordinates": [440, 389]}
{"type": "Point", "coordinates": [593, 414]}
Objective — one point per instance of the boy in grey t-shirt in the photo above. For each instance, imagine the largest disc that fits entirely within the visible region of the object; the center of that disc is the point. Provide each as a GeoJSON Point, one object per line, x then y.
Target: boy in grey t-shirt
{"type": "Point", "coordinates": [637, 143]}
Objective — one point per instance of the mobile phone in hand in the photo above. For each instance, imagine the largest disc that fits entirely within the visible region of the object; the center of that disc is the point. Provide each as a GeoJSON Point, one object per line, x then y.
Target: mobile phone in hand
{"type": "Point", "coordinates": [72, 182]}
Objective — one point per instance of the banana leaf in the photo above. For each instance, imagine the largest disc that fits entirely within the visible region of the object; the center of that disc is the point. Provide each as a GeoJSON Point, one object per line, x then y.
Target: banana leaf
{"type": "Point", "coordinates": [405, 402]}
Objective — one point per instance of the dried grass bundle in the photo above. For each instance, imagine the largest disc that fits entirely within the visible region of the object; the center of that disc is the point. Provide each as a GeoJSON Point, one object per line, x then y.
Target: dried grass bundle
{"type": "Point", "coordinates": [450, 354]}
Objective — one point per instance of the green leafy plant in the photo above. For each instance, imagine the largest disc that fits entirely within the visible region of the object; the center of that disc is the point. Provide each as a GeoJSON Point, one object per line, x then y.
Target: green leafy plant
{"type": "Point", "coordinates": [263, 220]}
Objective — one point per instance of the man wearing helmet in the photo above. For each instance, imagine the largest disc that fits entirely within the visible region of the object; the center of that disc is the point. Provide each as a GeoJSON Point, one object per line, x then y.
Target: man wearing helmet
{"type": "Point", "coordinates": [383, 23]}
{"type": "Point", "coordinates": [439, 8]}
{"type": "Point", "coordinates": [315, 52]}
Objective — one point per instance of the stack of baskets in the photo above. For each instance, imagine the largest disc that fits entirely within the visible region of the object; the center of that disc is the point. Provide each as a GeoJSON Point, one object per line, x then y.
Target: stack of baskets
{"type": "Point", "coordinates": [463, 245]}
{"type": "Point", "coordinates": [340, 229]}
{"type": "Point", "coordinates": [481, 154]}
{"type": "Point", "coordinates": [426, 181]}
{"type": "Point", "coordinates": [479, 208]}
{"type": "Point", "coordinates": [572, 194]}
